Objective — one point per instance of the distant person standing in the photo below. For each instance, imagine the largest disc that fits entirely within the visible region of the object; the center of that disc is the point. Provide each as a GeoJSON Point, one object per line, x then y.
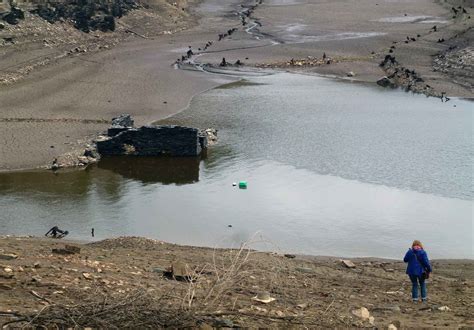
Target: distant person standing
{"type": "Point", "coordinates": [92, 232]}
{"type": "Point", "coordinates": [418, 269]}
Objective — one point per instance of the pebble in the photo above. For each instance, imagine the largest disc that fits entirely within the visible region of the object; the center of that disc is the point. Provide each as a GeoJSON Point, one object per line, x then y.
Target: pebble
{"type": "Point", "coordinates": [362, 313]}
{"type": "Point", "coordinates": [9, 256]}
{"type": "Point", "coordinates": [87, 276]}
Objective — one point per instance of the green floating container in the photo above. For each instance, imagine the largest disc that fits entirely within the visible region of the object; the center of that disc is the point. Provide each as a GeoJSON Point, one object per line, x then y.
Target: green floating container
{"type": "Point", "coordinates": [243, 184]}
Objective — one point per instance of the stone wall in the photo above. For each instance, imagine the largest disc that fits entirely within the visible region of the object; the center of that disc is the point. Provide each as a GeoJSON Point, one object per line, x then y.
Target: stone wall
{"type": "Point", "coordinates": [153, 141]}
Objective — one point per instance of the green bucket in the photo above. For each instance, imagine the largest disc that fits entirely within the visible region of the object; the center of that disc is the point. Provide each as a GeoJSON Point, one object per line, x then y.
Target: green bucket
{"type": "Point", "coordinates": [243, 184]}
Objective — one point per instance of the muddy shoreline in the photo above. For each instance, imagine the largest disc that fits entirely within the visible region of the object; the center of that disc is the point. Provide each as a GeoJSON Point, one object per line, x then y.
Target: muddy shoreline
{"type": "Point", "coordinates": [137, 75]}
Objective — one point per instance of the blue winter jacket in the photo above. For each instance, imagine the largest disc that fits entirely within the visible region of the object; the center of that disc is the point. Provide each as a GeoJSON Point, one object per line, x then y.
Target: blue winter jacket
{"type": "Point", "coordinates": [414, 266]}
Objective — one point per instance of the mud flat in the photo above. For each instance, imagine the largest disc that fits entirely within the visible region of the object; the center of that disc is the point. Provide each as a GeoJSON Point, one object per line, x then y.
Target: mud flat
{"type": "Point", "coordinates": [350, 40]}
{"type": "Point", "coordinates": [128, 274]}
{"type": "Point", "coordinates": [60, 107]}
{"type": "Point", "coordinates": [138, 76]}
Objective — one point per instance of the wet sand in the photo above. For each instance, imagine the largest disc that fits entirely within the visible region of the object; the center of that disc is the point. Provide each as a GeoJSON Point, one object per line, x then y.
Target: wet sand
{"type": "Point", "coordinates": [138, 77]}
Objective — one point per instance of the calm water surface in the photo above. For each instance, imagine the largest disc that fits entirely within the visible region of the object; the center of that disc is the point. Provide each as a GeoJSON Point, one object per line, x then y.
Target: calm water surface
{"type": "Point", "coordinates": [333, 168]}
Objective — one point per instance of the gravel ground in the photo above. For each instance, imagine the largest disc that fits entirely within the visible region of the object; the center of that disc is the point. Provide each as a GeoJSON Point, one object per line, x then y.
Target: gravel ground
{"type": "Point", "coordinates": [308, 291]}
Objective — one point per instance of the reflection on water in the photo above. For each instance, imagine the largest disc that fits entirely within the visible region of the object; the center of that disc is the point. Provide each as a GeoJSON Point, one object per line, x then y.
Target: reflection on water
{"type": "Point", "coordinates": [358, 175]}
{"type": "Point", "coordinates": [166, 170]}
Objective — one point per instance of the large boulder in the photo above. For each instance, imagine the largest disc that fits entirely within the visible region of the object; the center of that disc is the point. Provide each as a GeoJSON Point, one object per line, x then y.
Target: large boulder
{"type": "Point", "coordinates": [385, 82]}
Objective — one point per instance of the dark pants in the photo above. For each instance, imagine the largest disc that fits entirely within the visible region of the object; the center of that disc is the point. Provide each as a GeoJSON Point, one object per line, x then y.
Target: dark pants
{"type": "Point", "coordinates": [415, 280]}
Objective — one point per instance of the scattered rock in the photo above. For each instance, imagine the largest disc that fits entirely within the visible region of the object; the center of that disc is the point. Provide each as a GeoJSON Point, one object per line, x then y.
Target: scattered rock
{"type": "Point", "coordinates": [259, 309]}
{"type": "Point", "coordinates": [10, 256]}
{"type": "Point", "coordinates": [348, 263]}
{"type": "Point", "coordinates": [4, 286]}
{"type": "Point", "coordinates": [159, 270]}
{"type": "Point", "coordinates": [210, 134]}
{"type": "Point", "coordinates": [263, 297]}
{"type": "Point", "coordinates": [37, 265]}
{"type": "Point", "coordinates": [291, 256]}
{"type": "Point", "coordinates": [87, 276]}
{"type": "Point", "coordinates": [223, 323]}
{"type": "Point", "coordinates": [14, 16]}
{"type": "Point", "coordinates": [395, 325]}
{"type": "Point", "coordinates": [179, 271]}
{"type": "Point", "coordinates": [362, 313]}
{"type": "Point", "coordinates": [394, 308]}
{"type": "Point", "coordinates": [36, 279]}
{"type": "Point", "coordinates": [444, 309]}
{"type": "Point", "coordinates": [372, 320]}
{"type": "Point", "coordinates": [68, 249]}
{"type": "Point", "coordinates": [385, 82]}
{"type": "Point", "coordinates": [350, 74]}
{"type": "Point", "coordinates": [6, 275]}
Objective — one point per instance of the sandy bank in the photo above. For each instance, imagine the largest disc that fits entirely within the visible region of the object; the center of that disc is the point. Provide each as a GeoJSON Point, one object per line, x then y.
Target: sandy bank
{"type": "Point", "coordinates": [138, 77]}
{"type": "Point", "coordinates": [59, 107]}
{"type": "Point", "coordinates": [126, 273]}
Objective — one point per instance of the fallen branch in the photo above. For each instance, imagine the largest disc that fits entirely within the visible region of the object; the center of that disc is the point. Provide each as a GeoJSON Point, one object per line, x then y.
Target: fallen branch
{"type": "Point", "coordinates": [35, 294]}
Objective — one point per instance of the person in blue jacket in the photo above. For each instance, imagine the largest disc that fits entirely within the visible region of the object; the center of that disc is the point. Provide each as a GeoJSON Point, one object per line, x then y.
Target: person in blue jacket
{"type": "Point", "coordinates": [418, 269]}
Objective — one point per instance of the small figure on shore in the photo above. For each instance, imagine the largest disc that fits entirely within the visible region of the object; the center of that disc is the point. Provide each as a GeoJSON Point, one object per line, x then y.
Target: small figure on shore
{"type": "Point", "coordinates": [324, 56]}
{"type": "Point", "coordinates": [434, 28]}
{"type": "Point", "coordinates": [92, 232]}
{"type": "Point", "coordinates": [189, 53]}
{"type": "Point", "coordinates": [223, 62]}
{"type": "Point", "coordinates": [55, 165]}
{"type": "Point", "coordinates": [418, 269]}
{"type": "Point", "coordinates": [444, 98]}
{"type": "Point", "coordinates": [55, 232]}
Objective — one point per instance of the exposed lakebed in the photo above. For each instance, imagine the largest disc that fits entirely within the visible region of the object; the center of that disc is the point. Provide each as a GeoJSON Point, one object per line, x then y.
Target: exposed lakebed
{"type": "Point", "coordinates": [334, 168]}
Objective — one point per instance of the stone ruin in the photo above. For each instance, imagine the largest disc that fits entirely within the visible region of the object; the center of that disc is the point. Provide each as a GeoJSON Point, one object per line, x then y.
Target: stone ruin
{"type": "Point", "coordinates": [125, 139]}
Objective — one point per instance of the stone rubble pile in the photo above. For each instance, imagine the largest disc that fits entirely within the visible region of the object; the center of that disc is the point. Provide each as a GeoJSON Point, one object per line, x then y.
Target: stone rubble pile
{"type": "Point", "coordinates": [457, 63]}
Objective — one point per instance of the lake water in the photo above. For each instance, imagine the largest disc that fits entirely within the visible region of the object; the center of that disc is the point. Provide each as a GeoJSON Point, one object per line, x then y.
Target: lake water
{"type": "Point", "coordinates": [333, 168]}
